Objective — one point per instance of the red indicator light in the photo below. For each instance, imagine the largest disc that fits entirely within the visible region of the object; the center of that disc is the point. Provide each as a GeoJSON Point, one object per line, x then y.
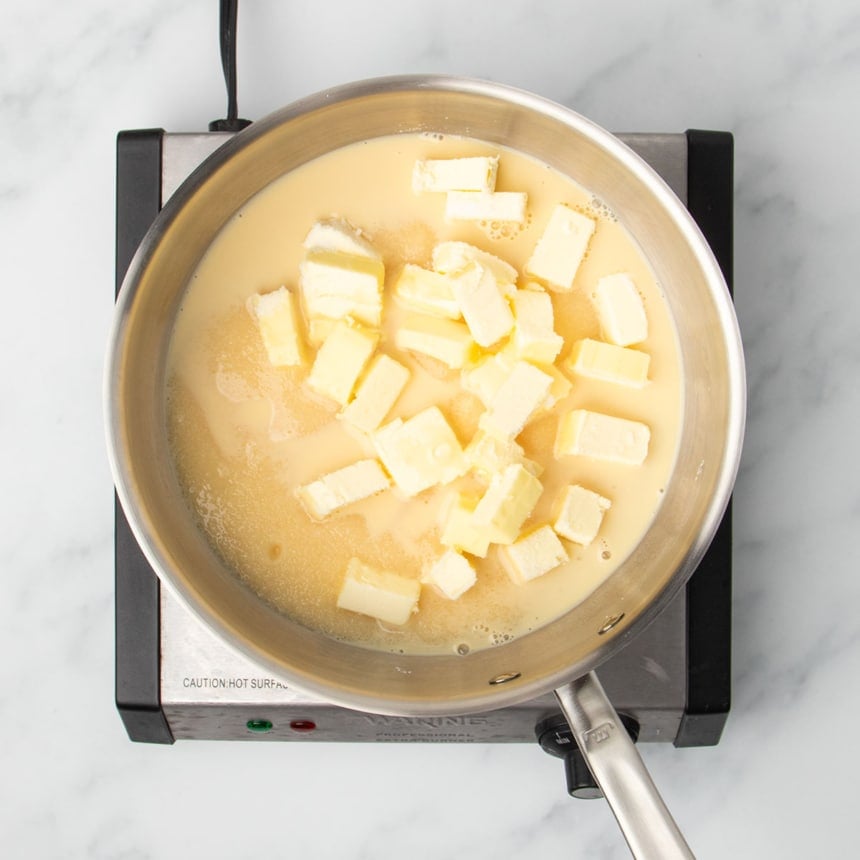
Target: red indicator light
{"type": "Point", "coordinates": [303, 725]}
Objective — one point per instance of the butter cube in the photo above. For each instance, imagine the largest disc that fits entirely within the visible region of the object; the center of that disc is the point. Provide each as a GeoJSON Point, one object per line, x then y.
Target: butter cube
{"type": "Point", "coordinates": [278, 320]}
{"type": "Point", "coordinates": [426, 292]}
{"type": "Point", "coordinates": [506, 359]}
{"type": "Point", "coordinates": [484, 308]}
{"type": "Point", "coordinates": [608, 362]}
{"type": "Point", "coordinates": [338, 235]}
{"type": "Point", "coordinates": [447, 341]}
{"type": "Point", "coordinates": [459, 530]}
{"type": "Point", "coordinates": [378, 593]}
{"type": "Point", "coordinates": [602, 437]}
{"type": "Point", "coordinates": [475, 173]}
{"type": "Point", "coordinates": [508, 502]}
{"type": "Point", "coordinates": [342, 487]}
{"type": "Point", "coordinates": [517, 399]}
{"type": "Point", "coordinates": [533, 555]}
{"type": "Point", "coordinates": [376, 394]}
{"type": "Point", "coordinates": [486, 206]}
{"type": "Point", "coordinates": [559, 252]}
{"type": "Point", "coordinates": [486, 377]}
{"type": "Point", "coordinates": [620, 310]}
{"type": "Point", "coordinates": [336, 285]}
{"type": "Point", "coordinates": [340, 361]}
{"type": "Point", "coordinates": [452, 574]}
{"type": "Point", "coordinates": [488, 454]}
{"type": "Point", "coordinates": [420, 452]}
{"type": "Point", "coordinates": [534, 337]}
{"type": "Point", "coordinates": [452, 257]}
{"type": "Point", "coordinates": [319, 328]}
{"type": "Point", "coordinates": [559, 389]}
{"type": "Point", "coordinates": [578, 514]}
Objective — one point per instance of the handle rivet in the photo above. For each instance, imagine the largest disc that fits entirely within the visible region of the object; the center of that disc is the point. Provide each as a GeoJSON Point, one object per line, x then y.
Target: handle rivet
{"type": "Point", "coordinates": [505, 677]}
{"type": "Point", "coordinates": [610, 623]}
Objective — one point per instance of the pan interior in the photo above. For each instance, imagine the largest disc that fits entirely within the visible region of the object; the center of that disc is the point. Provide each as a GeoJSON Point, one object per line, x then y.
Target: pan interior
{"type": "Point", "coordinates": [694, 497]}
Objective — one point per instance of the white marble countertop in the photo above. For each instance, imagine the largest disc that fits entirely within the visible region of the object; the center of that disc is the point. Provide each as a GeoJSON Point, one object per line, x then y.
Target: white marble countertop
{"type": "Point", "coordinates": [784, 78]}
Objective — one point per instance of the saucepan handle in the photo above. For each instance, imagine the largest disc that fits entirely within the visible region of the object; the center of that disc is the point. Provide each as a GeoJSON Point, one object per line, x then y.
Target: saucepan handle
{"type": "Point", "coordinates": [618, 769]}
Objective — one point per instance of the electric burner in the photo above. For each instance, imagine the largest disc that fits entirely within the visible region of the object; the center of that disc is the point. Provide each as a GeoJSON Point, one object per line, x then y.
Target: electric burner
{"type": "Point", "coordinates": [175, 680]}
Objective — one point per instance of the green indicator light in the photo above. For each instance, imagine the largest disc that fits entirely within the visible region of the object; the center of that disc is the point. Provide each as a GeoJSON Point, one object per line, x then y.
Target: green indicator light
{"type": "Point", "coordinates": [259, 725]}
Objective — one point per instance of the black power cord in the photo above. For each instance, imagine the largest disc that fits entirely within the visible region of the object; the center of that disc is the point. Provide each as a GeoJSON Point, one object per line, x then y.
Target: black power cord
{"type": "Point", "coordinates": [229, 15]}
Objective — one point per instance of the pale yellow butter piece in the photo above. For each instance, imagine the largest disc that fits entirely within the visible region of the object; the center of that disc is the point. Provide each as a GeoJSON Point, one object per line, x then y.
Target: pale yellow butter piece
{"type": "Point", "coordinates": [532, 555]}
{"type": "Point", "coordinates": [340, 361]}
{"type": "Point", "coordinates": [578, 514]}
{"type": "Point", "coordinates": [534, 336]}
{"type": "Point", "coordinates": [482, 304]}
{"type": "Point", "coordinates": [427, 292]}
{"type": "Point", "coordinates": [319, 328]}
{"type": "Point", "coordinates": [338, 235]}
{"type": "Point", "coordinates": [509, 206]}
{"type": "Point", "coordinates": [486, 377]}
{"type": "Point", "coordinates": [608, 362]}
{"type": "Point", "coordinates": [487, 454]}
{"type": "Point", "coordinates": [377, 392]}
{"type": "Point", "coordinates": [451, 574]}
{"type": "Point", "coordinates": [472, 173]}
{"type": "Point", "coordinates": [459, 530]}
{"type": "Point", "coordinates": [342, 487]}
{"type": "Point", "coordinates": [508, 502]}
{"type": "Point", "coordinates": [559, 252]}
{"type": "Point", "coordinates": [521, 394]}
{"type": "Point", "coordinates": [453, 256]}
{"type": "Point", "coordinates": [421, 452]}
{"type": "Point", "coordinates": [448, 341]}
{"type": "Point", "coordinates": [620, 310]}
{"type": "Point", "coordinates": [337, 285]}
{"type": "Point", "coordinates": [277, 317]}
{"type": "Point", "coordinates": [602, 437]}
{"type": "Point", "coordinates": [507, 358]}
{"type": "Point", "coordinates": [559, 389]}
{"type": "Point", "coordinates": [378, 593]}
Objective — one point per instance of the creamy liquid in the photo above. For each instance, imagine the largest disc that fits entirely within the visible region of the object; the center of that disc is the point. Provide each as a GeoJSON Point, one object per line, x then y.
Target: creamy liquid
{"type": "Point", "coordinates": [244, 434]}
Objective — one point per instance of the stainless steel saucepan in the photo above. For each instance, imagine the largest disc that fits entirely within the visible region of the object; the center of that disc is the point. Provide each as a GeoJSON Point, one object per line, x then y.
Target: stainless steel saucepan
{"type": "Point", "coordinates": [562, 655]}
